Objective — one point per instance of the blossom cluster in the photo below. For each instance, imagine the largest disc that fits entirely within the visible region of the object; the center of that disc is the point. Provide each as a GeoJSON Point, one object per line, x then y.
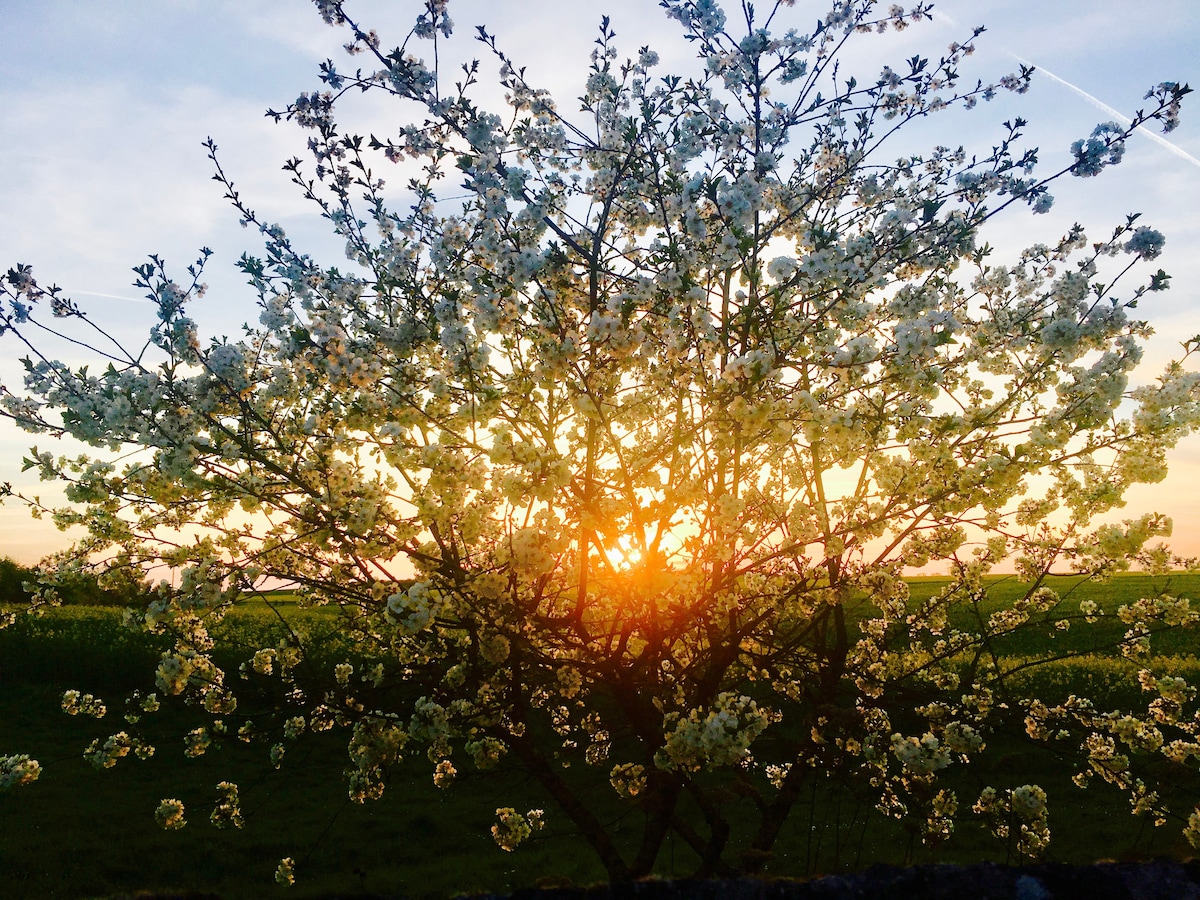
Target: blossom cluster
{"type": "Point", "coordinates": [719, 736]}
{"type": "Point", "coordinates": [74, 703]}
{"type": "Point", "coordinates": [227, 810]}
{"type": "Point", "coordinates": [169, 815]}
{"type": "Point", "coordinates": [105, 754]}
{"type": "Point", "coordinates": [1019, 812]}
{"type": "Point", "coordinates": [18, 769]}
{"type": "Point", "coordinates": [513, 828]}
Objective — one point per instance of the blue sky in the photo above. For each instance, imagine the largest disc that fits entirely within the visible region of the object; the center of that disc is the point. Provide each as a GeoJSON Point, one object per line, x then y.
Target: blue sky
{"type": "Point", "coordinates": [105, 104]}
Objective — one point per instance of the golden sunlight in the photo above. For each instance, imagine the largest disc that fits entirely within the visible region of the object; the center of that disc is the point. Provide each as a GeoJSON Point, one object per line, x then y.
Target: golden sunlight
{"type": "Point", "coordinates": [625, 554]}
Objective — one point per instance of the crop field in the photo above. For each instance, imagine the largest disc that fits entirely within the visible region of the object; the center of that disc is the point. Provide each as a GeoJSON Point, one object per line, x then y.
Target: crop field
{"type": "Point", "coordinates": [78, 832]}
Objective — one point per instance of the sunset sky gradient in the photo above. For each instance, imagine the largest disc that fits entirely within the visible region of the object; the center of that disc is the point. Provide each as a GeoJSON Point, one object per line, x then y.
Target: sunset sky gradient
{"type": "Point", "coordinates": [106, 105]}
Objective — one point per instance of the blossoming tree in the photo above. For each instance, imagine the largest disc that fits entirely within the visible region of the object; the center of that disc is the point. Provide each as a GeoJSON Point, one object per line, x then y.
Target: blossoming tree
{"type": "Point", "coordinates": [620, 460]}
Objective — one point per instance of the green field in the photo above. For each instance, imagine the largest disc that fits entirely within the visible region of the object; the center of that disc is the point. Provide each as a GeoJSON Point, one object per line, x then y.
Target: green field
{"type": "Point", "coordinates": [82, 833]}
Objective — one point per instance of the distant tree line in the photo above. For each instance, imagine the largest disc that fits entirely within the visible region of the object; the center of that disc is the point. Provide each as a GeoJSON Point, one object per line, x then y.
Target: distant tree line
{"type": "Point", "coordinates": [79, 587]}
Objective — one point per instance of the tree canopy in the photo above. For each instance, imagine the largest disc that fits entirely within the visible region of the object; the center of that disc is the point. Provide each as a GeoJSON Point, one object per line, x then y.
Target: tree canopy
{"type": "Point", "coordinates": [611, 441]}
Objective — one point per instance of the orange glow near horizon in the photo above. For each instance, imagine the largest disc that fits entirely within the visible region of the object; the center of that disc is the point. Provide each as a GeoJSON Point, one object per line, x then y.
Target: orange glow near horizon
{"type": "Point", "coordinates": [27, 540]}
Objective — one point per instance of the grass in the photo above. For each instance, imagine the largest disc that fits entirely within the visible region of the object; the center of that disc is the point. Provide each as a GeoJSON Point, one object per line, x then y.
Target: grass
{"type": "Point", "coordinates": [82, 833]}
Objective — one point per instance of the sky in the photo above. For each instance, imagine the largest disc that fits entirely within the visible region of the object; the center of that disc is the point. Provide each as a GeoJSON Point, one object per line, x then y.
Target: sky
{"type": "Point", "coordinates": [104, 105]}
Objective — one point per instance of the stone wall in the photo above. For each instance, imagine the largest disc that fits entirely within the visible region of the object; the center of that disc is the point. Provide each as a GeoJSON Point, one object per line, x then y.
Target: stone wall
{"type": "Point", "coordinates": [1158, 880]}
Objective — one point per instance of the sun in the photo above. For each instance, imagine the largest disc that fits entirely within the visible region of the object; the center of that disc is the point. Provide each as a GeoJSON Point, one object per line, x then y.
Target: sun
{"type": "Point", "coordinates": [625, 554]}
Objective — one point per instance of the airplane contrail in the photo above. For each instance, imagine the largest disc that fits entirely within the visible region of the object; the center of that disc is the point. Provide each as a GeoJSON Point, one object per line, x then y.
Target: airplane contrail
{"type": "Point", "coordinates": [1090, 98]}
{"type": "Point", "coordinates": [109, 296]}
{"type": "Point", "coordinates": [1100, 104]}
